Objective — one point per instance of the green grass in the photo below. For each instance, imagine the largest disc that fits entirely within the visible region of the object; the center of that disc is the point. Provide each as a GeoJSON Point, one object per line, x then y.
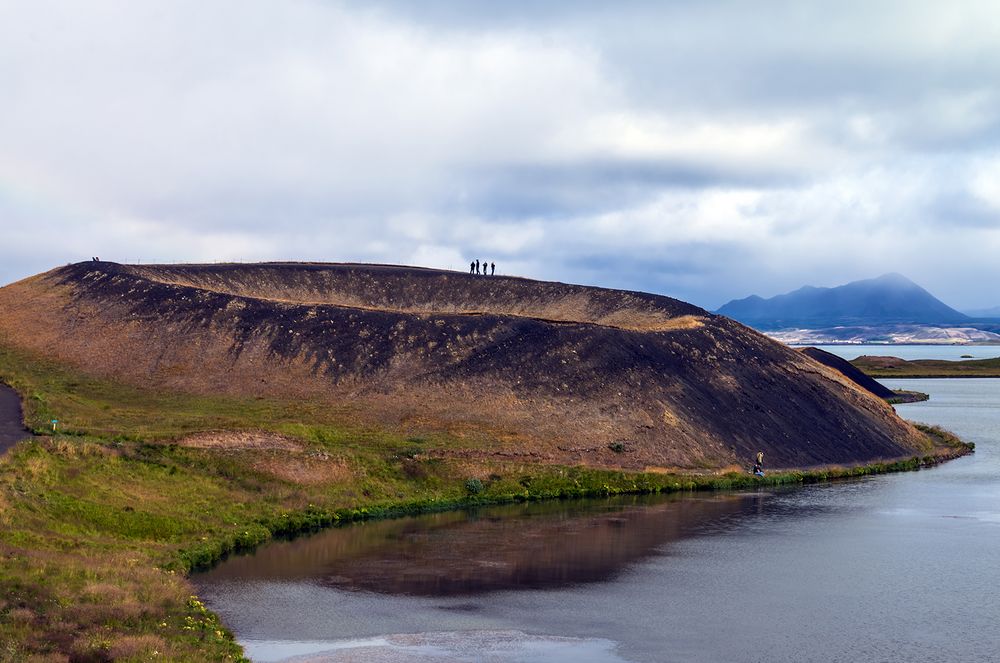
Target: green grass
{"type": "Point", "coordinates": [109, 409]}
{"type": "Point", "coordinates": [100, 524]}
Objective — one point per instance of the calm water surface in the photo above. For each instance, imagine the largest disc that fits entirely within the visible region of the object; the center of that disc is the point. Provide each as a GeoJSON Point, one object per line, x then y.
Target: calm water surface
{"type": "Point", "coordinates": [897, 568]}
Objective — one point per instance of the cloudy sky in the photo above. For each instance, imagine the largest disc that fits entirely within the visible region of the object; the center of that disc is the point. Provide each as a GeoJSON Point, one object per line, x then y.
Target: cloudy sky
{"type": "Point", "coordinates": [704, 150]}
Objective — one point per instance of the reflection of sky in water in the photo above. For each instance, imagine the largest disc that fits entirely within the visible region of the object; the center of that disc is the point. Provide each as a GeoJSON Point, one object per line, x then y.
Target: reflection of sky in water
{"type": "Point", "coordinates": [895, 568]}
{"type": "Point", "coordinates": [471, 646]}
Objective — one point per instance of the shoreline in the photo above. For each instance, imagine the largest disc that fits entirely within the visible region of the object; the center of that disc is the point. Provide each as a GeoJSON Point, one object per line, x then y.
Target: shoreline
{"type": "Point", "coordinates": [313, 520]}
{"type": "Point", "coordinates": [880, 376]}
{"type": "Point", "coordinates": [75, 522]}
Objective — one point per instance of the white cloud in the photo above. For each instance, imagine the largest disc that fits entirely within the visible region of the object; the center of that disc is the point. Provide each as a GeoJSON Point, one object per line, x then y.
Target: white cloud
{"type": "Point", "coordinates": [705, 151]}
{"type": "Point", "coordinates": [985, 184]}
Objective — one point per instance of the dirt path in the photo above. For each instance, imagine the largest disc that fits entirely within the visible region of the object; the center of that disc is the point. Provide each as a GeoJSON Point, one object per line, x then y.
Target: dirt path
{"type": "Point", "coordinates": [12, 428]}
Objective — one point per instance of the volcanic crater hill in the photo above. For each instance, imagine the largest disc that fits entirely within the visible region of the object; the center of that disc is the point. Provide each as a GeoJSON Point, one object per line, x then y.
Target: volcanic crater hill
{"type": "Point", "coordinates": [539, 371]}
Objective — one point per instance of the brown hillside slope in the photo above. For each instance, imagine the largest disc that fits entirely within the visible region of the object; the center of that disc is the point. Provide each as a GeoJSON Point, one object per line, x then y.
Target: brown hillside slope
{"type": "Point", "coordinates": [547, 371]}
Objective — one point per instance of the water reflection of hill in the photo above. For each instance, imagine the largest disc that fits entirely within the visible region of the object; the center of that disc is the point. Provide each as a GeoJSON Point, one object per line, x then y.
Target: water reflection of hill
{"type": "Point", "coordinates": [497, 548]}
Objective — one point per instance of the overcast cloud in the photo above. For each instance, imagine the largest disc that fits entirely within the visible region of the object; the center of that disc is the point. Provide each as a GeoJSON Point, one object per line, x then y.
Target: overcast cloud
{"type": "Point", "coordinates": [701, 150]}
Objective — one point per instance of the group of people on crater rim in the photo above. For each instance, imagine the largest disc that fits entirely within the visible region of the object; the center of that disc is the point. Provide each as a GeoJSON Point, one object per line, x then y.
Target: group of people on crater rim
{"type": "Point", "coordinates": [474, 268]}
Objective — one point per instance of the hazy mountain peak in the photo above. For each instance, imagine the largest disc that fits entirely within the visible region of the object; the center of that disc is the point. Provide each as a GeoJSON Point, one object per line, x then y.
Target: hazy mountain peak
{"type": "Point", "coordinates": [887, 299]}
{"type": "Point", "coordinates": [893, 277]}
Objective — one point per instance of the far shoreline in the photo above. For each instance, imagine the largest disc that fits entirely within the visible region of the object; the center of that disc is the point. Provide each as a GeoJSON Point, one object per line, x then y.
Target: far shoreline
{"type": "Point", "coordinates": [877, 366]}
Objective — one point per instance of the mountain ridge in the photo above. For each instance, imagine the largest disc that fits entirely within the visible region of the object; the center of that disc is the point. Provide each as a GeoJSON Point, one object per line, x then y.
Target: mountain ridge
{"type": "Point", "coordinates": [888, 299]}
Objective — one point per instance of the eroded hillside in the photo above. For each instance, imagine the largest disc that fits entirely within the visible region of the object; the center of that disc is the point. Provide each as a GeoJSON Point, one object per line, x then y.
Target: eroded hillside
{"type": "Point", "coordinates": [543, 371]}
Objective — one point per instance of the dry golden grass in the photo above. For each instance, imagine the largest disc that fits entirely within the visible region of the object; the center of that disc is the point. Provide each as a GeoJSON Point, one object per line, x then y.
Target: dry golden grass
{"type": "Point", "coordinates": [137, 647]}
{"type": "Point", "coordinates": [104, 593]}
{"type": "Point", "coordinates": [21, 616]}
{"type": "Point", "coordinates": [670, 419]}
{"type": "Point", "coordinates": [47, 658]}
{"type": "Point", "coordinates": [653, 469]}
{"type": "Point", "coordinates": [241, 440]}
{"type": "Point", "coordinates": [310, 471]}
{"type": "Point", "coordinates": [644, 321]}
{"type": "Point", "coordinates": [730, 469]}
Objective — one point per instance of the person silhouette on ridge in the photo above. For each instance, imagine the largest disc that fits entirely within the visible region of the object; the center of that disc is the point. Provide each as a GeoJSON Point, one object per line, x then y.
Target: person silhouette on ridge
{"type": "Point", "coordinates": [477, 265]}
{"type": "Point", "coordinates": [472, 268]}
{"type": "Point", "coordinates": [493, 268]}
{"type": "Point", "coordinates": [484, 267]}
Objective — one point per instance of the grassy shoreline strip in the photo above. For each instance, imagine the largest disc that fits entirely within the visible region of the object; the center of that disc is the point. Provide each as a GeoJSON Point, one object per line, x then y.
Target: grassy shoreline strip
{"type": "Point", "coordinates": [315, 519]}
{"type": "Point", "coordinates": [94, 569]}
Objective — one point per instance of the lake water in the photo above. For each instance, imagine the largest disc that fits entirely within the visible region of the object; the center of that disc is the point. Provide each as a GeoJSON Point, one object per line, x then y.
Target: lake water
{"type": "Point", "coordinates": [895, 568]}
{"type": "Point", "coordinates": [909, 352]}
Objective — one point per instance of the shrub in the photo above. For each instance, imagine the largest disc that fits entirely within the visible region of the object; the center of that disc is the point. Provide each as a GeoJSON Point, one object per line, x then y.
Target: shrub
{"type": "Point", "coordinates": [474, 486]}
{"type": "Point", "coordinates": [617, 447]}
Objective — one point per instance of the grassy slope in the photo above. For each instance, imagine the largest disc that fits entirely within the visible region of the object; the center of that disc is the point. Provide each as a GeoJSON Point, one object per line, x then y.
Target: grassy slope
{"type": "Point", "coordinates": [931, 368]}
{"type": "Point", "coordinates": [99, 524]}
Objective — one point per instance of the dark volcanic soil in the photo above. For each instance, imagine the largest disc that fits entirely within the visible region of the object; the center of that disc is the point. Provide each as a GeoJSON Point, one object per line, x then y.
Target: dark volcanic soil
{"type": "Point", "coordinates": [544, 371]}
{"type": "Point", "coordinates": [850, 371]}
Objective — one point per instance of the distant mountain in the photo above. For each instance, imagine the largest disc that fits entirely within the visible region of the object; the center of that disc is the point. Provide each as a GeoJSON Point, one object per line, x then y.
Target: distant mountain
{"type": "Point", "coordinates": [888, 299]}
{"type": "Point", "coordinates": [985, 312]}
